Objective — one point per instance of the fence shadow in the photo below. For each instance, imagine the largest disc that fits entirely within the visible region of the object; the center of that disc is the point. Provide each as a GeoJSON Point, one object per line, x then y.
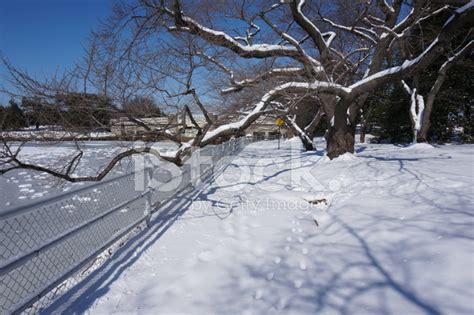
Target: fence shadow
{"type": "Point", "coordinates": [79, 298]}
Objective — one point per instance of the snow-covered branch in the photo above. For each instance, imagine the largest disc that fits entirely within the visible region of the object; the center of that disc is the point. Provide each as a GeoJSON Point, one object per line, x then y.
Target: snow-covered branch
{"type": "Point", "coordinates": [290, 87]}
{"type": "Point", "coordinates": [359, 31]}
{"type": "Point", "coordinates": [409, 67]}
{"type": "Point", "coordinates": [310, 28]}
{"type": "Point", "coordinates": [184, 23]}
{"type": "Point", "coordinates": [272, 73]}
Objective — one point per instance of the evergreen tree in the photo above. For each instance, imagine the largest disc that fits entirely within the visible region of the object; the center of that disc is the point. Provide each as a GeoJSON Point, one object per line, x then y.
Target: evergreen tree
{"type": "Point", "coordinates": [141, 107]}
{"type": "Point", "coordinates": [14, 117]}
{"type": "Point", "coordinates": [388, 118]}
{"type": "Point", "coordinates": [83, 110]}
{"type": "Point", "coordinates": [2, 117]}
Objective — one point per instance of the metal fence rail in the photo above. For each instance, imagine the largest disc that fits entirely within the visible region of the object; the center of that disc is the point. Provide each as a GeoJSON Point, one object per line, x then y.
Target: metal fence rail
{"type": "Point", "coordinates": [43, 244]}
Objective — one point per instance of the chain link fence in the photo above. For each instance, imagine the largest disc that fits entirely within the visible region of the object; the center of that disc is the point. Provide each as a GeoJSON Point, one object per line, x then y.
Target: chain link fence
{"type": "Point", "coordinates": [48, 246]}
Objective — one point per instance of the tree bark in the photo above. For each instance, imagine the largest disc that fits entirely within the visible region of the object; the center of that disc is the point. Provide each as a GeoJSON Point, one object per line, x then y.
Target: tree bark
{"type": "Point", "coordinates": [339, 141]}
{"type": "Point", "coordinates": [362, 132]}
{"type": "Point", "coordinates": [340, 137]}
{"type": "Point", "coordinates": [308, 145]}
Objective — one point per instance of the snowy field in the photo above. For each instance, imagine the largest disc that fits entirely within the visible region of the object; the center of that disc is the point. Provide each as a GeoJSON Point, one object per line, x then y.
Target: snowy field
{"type": "Point", "coordinates": [388, 230]}
{"type": "Point", "coordinates": [20, 187]}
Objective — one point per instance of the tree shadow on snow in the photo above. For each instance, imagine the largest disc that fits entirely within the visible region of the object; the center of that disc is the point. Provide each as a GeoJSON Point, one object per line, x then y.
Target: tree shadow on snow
{"type": "Point", "coordinates": [335, 276]}
{"type": "Point", "coordinates": [83, 295]}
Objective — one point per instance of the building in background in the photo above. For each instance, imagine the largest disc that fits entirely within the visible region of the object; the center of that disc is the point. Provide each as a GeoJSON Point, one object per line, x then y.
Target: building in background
{"type": "Point", "coordinates": [266, 128]}
{"type": "Point", "coordinates": [124, 127]}
{"type": "Point", "coordinates": [262, 128]}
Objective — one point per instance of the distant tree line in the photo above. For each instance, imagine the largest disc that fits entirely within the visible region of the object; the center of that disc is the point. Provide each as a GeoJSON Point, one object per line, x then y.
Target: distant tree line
{"type": "Point", "coordinates": [72, 111]}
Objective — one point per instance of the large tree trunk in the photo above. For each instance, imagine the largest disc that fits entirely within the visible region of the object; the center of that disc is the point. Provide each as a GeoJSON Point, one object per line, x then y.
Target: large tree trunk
{"type": "Point", "coordinates": [340, 137]}
{"type": "Point", "coordinates": [339, 141]}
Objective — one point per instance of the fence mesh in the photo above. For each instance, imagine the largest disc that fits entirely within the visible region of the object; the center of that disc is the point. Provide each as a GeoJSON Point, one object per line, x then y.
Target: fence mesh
{"type": "Point", "coordinates": [43, 245]}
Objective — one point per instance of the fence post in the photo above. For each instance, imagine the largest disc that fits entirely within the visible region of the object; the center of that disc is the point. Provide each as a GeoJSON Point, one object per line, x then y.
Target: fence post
{"type": "Point", "coordinates": [149, 189]}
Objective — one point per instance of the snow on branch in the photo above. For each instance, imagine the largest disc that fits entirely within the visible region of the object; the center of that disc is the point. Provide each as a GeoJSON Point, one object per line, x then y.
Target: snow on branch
{"type": "Point", "coordinates": [14, 162]}
{"type": "Point", "coordinates": [385, 7]}
{"type": "Point", "coordinates": [353, 30]}
{"type": "Point", "coordinates": [312, 64]}
{"type": "Point", "coordinates": [290, 87]}
{"type": "Point", "coordinates": [185, 23]}
{"type": "Point", "coordinates": [310, 28]}
{"type": "Point", "coordinates": [408, 67]}
{"type": "Point", "coordinates": [238, 86]}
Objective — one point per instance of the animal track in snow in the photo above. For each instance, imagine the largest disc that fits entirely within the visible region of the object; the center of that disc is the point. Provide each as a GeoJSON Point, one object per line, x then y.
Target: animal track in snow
{"type": "Point", "coordinates": [281, 304]}
{"type": "Point", "coordinates": [205, 256]}
{"type": "Point", "coordinates": [302, 265]}
{"type": "Point", "coordinates": [298, 283]}
{"type": "Point", "coordinates": [258, 294]}
{"type": "Point", "coordinates": [270, 276]}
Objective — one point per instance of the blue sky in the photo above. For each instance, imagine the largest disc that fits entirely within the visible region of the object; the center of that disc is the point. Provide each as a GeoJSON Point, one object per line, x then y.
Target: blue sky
{"type": "Point", "coordinates": [41, 35]}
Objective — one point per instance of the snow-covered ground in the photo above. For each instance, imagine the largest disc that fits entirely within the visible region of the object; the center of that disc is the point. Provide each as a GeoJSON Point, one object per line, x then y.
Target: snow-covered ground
{"type": "Point", "coordinates": [388, 230]}
{"type": "Point", "coordinates": [54, 132]}
{"type": "Point", "coordinates": [24, 186]}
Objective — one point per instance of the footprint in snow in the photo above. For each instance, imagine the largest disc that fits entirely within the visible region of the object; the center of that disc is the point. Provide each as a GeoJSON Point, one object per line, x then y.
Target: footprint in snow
{"type": "Point", "coordinates": [302, 265]}
{"type": "Point", "coordinates": [270, 276]}
{"type": "Point", "coordinates": [259, 251]}
{"type": "Point", "coordinates": [282, 304]}
{"type": "Point", "coordinates": [258, 294]}
{"type": "Point", "coordinates": [298, 284]}
{"type": "Point", "coordinates": [205, 256]}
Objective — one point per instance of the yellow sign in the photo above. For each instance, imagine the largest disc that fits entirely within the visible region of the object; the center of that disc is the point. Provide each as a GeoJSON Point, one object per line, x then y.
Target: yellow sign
{"type": "Point", "coordinates": [279, 122]}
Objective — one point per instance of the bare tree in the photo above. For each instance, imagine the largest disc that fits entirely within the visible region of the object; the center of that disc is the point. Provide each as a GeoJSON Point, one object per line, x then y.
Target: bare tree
{"type": "Point", "coordinates": [347, 61]}
{"type": "Point", "coordinates": [185, 51]}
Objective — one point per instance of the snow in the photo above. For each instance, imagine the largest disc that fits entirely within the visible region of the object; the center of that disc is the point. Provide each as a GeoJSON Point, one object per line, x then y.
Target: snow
{"type": "Point", "coordinates": [405, 65]}
{"type": "Point", "coordinates": [234, 42]}
{"type": "Point", "coordinates": [171, 154]}
{"type": "Point", "coordinates": [390, 231]}
{"type": "Point", "coordinates": [48, 133]}
{"type": "Point", "coordinates": [460, 10]}
{"type": "Point", "coordinates": [352, 30]}
{"type": "Point", "coordinates": [421, 108]}
{"type": "Point", "coordinates": [419, 146]}
{"type": "Point", "coordinates": [417, 107]}
{"type": "Point", "coordinates": [19, 187]}
{"type": "Point", "coordinates": [262, 104]}
{"type": "Point", "coordinates": [465, 7]}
